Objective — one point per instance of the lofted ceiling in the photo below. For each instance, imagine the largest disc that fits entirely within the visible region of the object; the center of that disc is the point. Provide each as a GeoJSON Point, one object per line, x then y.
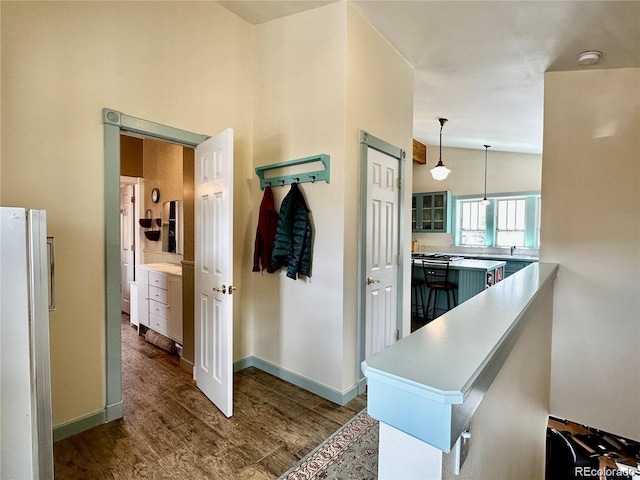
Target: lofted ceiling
{"type": "Point", "coordinates": [481, 64]}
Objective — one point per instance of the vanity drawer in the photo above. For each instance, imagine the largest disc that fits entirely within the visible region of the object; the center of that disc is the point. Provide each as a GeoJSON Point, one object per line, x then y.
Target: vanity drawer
{"type": "Point", "coordinates": [157, 279]}
{"type": "Point", "coordinates": [157, 309]}
{"type": "Point", "coordinates": [159, 324]}
{"type": "Point", "coordinates": [157, 294]}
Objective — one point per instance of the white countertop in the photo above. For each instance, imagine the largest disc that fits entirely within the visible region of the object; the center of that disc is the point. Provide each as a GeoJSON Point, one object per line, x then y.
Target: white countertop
{"type": "Point", "coordinates": [468, 264]}
{"type": "Point", "coordinates": [497, 256]}
{"type": "Point", "coordinates": [170, 268]}
{"type": "Point", "coordinates": [513, 258]}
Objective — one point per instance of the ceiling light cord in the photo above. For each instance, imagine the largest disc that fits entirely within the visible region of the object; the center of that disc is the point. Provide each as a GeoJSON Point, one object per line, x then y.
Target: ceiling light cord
{"type": "Point", "coordinates": [440, 172]}
{"type": "Point", "coordinates": [442, 122]}
{"type": "Point", "coordinates": [484, 200]}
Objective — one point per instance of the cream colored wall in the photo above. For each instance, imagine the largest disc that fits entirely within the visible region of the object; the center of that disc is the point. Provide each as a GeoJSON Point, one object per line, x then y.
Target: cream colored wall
{"type": "Point", "coordinates": [508, 429]}
{"type": "Point", "coordinates": [62, 62]}
{"type": "Point", "coordinates": [316, 87]}
{"type": "Point", "coordinates": [506, 172]}
{"type": "Point", "coordinates": [590, 226]}
{"type": "Point", "coordinates": [1, 50]}
{"type": "Point", "coordinates": [299, 102]}
{"type": "Point", "coordinates": [380, 101]}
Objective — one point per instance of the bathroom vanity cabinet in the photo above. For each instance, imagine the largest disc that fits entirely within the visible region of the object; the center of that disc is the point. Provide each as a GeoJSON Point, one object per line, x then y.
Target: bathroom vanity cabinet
{"type": "Point", "coordinates": [160, 299]}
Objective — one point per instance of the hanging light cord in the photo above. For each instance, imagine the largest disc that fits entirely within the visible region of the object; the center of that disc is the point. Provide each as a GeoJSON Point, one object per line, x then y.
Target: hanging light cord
{"type": "Point", "coordinates": [486, 147]}
{"type": "Point", "coordinates": [442, 122]}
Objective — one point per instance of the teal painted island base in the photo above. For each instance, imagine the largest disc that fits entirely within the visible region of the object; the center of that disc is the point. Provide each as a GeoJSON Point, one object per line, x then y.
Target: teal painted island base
{"type": "Point", "coordinates": [471, 277]}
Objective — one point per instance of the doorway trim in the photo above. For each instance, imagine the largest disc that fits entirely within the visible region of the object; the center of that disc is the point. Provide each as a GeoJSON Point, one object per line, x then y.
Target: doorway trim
{"type": "Point", "coordinates": [369, 141]}
{"type": "Point", "coordinates": [115, 123]}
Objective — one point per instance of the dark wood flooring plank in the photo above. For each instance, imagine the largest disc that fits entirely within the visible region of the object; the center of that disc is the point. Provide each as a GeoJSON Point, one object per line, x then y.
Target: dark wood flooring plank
{"type": "Point", "coordinates": [171, 430]}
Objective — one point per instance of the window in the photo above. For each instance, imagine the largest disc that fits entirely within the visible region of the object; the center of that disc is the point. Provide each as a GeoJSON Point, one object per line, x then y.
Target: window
{"type": "Point", "coordinates": [510, 222]}
{"type": "Point", "coordinates": [538, 223]}
{"type": "Point", "coordinates": [473, 229]}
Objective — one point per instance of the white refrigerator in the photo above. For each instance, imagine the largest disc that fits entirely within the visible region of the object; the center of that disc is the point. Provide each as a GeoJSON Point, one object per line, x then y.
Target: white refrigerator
{"type": "Point", "coordinates": [26, 440]}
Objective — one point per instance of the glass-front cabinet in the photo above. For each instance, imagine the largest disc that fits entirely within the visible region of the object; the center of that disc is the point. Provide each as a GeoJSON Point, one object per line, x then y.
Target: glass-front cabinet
{"type": "Point", "coordinates": [430, 212]}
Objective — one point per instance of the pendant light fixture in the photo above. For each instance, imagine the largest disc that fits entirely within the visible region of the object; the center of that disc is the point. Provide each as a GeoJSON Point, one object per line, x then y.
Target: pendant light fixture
{"type": "Point", "coordinates": [484, 200]}
{"type": "Point", "coordinates": [440, 172]}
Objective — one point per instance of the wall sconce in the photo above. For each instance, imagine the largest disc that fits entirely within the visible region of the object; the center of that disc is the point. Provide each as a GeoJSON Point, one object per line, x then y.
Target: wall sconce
{"type": "Point", "coordinates": [484, 200]}
{"type": "Point", "coordinates": [440, 172]}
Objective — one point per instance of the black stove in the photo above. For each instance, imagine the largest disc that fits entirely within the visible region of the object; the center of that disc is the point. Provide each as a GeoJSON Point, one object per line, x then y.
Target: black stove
{"type": "Point", "coordinates": [441, 257]}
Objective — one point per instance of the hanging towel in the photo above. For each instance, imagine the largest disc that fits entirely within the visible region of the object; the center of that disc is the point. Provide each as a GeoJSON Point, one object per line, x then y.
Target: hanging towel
{"type": "Point", "coordinates": [292, 247]}
{"type": "Point", "coordinates": [265, 233]}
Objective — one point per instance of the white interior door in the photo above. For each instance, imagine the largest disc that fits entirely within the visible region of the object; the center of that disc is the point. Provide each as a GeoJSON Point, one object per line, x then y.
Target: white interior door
{"type": "Point", "coordinates": [127, 247]}
{"type": "Point", "coordinates": [214, 270]}
{"type": "Point", "coordinates": [381, 251]}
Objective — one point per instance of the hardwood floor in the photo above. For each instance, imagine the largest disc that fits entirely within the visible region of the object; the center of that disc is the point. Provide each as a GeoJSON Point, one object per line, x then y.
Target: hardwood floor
{"type": "Point", "coordinates": [170, 429]}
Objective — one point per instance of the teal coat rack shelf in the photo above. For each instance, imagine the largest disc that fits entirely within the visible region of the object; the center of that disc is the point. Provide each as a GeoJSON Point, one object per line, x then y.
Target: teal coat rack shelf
{"type": "Point", "coordinates": [306, 177]}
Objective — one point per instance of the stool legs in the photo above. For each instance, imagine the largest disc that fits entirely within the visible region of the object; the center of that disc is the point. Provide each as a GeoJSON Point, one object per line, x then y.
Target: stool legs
{"type": "Point", "coordinates": [432, 301]}
{"type": "Point", "coordinates": [420, 309]}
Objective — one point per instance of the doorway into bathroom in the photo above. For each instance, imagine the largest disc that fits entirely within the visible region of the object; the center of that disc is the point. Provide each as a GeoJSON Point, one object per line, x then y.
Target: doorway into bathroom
{"type": "Point", "coordinates": [209, 207]}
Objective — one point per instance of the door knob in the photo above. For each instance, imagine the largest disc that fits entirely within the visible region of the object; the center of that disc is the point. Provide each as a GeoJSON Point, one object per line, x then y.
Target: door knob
{"type": "Point", "coordinates": [231, 289]}
{"type": "Point", "coordinates": [371, 281]}
{"type": "Point", "coordinates": [222, 289]}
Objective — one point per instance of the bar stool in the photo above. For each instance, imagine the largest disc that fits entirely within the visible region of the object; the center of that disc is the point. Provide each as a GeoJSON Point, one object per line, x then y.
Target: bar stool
{"type": "Point", "coordinates": [417, 292]}
{"type": "Point", "coordinates": [436, 278]}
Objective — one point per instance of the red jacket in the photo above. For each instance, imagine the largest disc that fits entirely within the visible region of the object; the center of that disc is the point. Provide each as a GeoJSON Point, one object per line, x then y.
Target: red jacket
{"type": "Point", "coordinates": [265, 233]}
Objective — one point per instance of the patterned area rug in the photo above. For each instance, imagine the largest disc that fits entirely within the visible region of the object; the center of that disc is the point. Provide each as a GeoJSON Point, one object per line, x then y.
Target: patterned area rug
{"type": "Point", "coordinates": [350, 453]}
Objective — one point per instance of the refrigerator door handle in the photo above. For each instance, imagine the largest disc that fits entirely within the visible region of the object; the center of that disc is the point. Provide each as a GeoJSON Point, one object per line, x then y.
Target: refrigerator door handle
{"type": "Point", "coordinates": [52, 277]}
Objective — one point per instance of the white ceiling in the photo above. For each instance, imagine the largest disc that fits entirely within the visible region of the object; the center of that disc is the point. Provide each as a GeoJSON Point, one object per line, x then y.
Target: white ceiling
{"type": "Point", "coordinates": [481, 64]}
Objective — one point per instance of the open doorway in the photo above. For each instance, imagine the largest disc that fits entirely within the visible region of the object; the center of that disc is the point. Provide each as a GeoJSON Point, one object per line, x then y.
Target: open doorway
{"type": "Point", "coordinates": [115, 123]}
{"type": "Point", "coordinates": [212, 259]}
{"type": "Point", "coordinates": [128, 241]}
{"type": "Point", "coordinates": [157, 229]}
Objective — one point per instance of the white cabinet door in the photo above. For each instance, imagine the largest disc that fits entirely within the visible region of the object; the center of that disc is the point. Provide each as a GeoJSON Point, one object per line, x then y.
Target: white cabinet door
{"type": "Point", "coordinates": [174, 302]}
{"type": "Point", "coordinates": [143, 297]}
{"type": "Point", "coordinates": [133, 315]}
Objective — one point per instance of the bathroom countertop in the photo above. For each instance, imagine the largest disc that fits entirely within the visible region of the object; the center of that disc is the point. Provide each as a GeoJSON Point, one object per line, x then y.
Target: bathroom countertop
{"type": "Point", "coordinates": [170, 268]}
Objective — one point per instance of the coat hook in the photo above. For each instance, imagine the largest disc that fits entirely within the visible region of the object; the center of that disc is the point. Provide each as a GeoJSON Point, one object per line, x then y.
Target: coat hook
{"type": "Point", "coordinates": [282, 183]}
{"type": "Point", "coordinates": [313, 178]}
{"type": "Point", "coordinates": [297, 179]}
{"type": "Point", "coordinates": [268, 184]}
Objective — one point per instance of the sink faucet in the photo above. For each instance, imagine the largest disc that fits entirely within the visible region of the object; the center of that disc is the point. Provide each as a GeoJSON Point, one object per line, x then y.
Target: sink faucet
{"type": "Point", "coordinates": [513, 249]}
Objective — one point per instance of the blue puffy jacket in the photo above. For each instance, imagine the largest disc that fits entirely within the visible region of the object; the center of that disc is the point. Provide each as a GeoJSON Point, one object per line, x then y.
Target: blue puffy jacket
{"type": "Point", "coordinates": [292, 247]}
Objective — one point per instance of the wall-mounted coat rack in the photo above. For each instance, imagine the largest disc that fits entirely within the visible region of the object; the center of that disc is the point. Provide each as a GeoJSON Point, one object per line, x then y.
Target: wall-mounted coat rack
{"type": "Point", "coordinates": [306, 177]}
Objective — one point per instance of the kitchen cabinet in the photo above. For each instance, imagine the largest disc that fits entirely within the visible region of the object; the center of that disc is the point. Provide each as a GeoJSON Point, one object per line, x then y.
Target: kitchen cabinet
{"type": "Point", "coordinates": [160, 299]}
{"type": "Point", "coordinates": [431, 212]}
{"type": "Point", "coordinates": [514, 262]}
{"type": "Point", "coordinates": [512, 267]}
{"type": "Point", "coordinates": [133, 304]}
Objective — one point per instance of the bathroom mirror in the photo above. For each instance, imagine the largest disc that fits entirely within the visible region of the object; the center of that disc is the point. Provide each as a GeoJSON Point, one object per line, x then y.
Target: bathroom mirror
{"type": "Point", "coordinates": [172, 227]}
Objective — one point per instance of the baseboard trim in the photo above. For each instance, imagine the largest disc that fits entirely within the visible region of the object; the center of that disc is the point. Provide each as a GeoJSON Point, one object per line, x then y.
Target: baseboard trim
{"type": "Point", "coordinates": [114, 411]}
{"type": "Point", "coordinates": [79, 425]}
{"type": "Point", "coordinates": [187, 365]}
{"type": "Point", "coordinates": [298, 380]}
{"type": "Point", "coordinates": [362, 385]}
